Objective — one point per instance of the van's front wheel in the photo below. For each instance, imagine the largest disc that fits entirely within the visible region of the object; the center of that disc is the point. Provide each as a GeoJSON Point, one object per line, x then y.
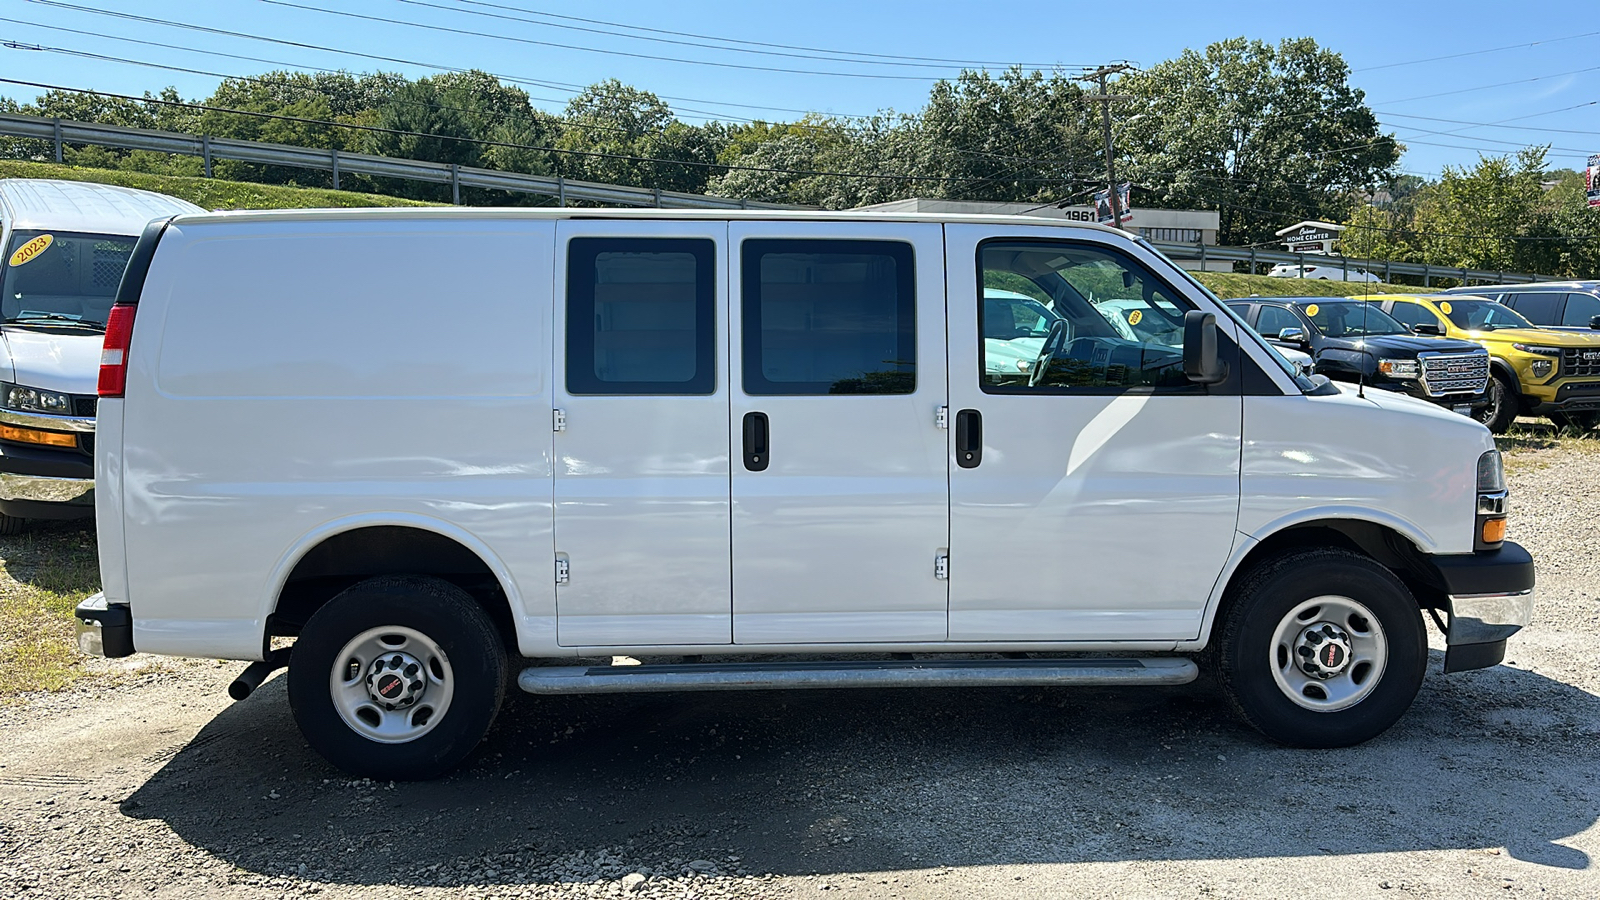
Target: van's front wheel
{"type": "Point", "coordinates": [397, 678]}
{"type": "Point", "coordinates": [1322, 648]}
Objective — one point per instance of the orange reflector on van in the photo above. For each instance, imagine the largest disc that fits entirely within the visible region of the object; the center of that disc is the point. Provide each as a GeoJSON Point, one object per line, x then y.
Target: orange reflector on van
{"type": "Point", "coordinates": [1494, 531]}
{"type": "Point", "coordinates": [31, 436]}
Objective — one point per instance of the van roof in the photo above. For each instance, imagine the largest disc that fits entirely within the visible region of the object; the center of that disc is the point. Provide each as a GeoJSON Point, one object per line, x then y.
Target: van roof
{"type": "Point", "coordinates": [47, 203]}
{"type": "Point", "coordinates": [514, 213]}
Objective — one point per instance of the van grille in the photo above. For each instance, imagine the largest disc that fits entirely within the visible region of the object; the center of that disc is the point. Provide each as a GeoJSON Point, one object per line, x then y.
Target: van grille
{"type": "Point", "coordinates": [1579, 362]}
{"type": "Point", "coordinates": [1455, 373]}
{"type": "Point", "coordinates": [84, 406]}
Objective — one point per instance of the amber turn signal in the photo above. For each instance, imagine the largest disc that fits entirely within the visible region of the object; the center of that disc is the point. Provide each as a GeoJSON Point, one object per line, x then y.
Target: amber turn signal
{"type": "Point", "coordinates": [1494, 531]}
{"type": "Point", "coordinates": [30, 436]}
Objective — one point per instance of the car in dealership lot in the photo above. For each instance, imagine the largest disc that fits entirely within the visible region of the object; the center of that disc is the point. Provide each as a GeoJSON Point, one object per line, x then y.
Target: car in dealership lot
{"type": "Point", "coordinates": [1533, 371]}
{"type": "Point", "coordinates": [1352, 340]}
{"type": "Point", "coordinates": [1323, 273]}
{"type": "Point", "coordinates": [66, 244]}
{"type": "Point", "coordinates": [1567, 305]}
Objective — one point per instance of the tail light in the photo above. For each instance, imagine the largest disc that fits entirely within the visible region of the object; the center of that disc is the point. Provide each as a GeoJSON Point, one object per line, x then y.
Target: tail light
{"type": "Point", "coordinates": [114, 356]}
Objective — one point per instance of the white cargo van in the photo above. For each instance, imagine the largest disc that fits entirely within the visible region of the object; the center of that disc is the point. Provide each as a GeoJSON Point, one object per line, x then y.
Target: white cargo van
{"type": "Point", "coordinates": [428, 443]}
{"type": "Point", "coordinates": [65, 246]}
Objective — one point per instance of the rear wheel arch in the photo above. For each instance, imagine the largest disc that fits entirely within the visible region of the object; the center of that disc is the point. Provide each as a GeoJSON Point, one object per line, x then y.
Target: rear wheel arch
{"type": "Point", "coordinates": [344, 554]}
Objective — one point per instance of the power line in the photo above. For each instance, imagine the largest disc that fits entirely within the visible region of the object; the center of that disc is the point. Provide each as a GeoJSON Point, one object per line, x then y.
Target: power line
{"type": "Point", "coordinates": [931, 59]}
{"type": "Point", "coordinates": [1485, 87]}
{"type": "Point", "coordinates": [537, 43]}
{"type": "Point", "coordinates": [1413, 62]}
{"type": "Point", "coordinates": [681, 43]}
{"type": "Point", "coordinates": [1498, 124]}
{"type": "Point", "coordinates": [565, 87]}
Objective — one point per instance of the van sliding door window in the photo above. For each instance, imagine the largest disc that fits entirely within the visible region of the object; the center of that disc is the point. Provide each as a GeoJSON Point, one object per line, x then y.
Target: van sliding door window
{"type": "Point", "coordinates": [641, 316]}
{"type": "Point", "coordinates": [829, 317]}
{"type": "Point", "coordinates": [1074, 318]}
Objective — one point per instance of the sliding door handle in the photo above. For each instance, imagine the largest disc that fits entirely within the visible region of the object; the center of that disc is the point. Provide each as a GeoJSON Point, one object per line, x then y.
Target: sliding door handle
{"type": "Point", "coordinates": [969, 438]}
{"type": "Point", "coordinates": [755, 441]}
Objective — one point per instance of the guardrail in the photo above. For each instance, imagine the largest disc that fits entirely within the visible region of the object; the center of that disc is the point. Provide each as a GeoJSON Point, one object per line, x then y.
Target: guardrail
{"type": "Point", "coordinates": [340, 162]}
{"type": "Point", "coordinates": [1383, 268]}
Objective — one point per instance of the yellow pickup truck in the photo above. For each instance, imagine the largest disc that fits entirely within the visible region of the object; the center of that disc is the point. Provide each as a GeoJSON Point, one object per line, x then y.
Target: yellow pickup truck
{"type": "Point", "coordinates": [1534, 371]}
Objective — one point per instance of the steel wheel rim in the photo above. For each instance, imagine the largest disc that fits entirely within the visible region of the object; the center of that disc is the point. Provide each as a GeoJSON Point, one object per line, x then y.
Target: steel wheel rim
{"type": "Point", "coordinates": [370, 654]}
{"type": "Point", "coordinates": [1360, 672]}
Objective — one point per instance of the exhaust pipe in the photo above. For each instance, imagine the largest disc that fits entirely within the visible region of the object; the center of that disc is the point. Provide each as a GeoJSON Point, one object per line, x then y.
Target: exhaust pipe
{"type": "Point", "coordinates": [257, 672]}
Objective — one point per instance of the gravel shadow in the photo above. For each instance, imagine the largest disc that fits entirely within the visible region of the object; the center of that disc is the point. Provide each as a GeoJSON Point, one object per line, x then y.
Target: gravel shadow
{"type": "Point", "coordinates": [792, 783]}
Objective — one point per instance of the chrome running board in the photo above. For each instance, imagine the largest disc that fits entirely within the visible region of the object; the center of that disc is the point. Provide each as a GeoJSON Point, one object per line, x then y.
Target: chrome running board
{"type": "Point", "coordinates": [855, 674]}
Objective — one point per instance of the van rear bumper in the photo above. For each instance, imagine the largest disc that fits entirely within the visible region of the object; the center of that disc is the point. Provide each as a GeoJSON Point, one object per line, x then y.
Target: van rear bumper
{"type": "Point", "coordinates": [1491, 598]}
{"type": "Point", "coordinates": [104, 629]}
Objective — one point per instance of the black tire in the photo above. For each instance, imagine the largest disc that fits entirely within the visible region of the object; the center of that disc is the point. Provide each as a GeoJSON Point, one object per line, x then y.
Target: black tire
{"type": "Point", "coordinates": [1578, 421]}
{"type": "Point", "coordinates": [10, 525]}
{"type": "Point", "coordinates": [1503, 405]}
{"type": "Point", "coordinates": [441, 612]}
{"type": "Point", "coordinates": [1267, 595]}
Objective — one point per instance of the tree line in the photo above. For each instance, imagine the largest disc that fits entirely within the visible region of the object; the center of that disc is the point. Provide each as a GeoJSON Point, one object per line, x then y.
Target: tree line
{"type": "Point", "coordinates": [1264, 134]}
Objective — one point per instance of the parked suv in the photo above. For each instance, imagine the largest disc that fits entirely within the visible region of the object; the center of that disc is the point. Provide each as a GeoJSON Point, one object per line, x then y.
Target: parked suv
{"type": "Point", "coordinates": [1535, 371]}
{"type": "Point", "coordinates": [1351, 340]}
{"type": "Point", "coordinates": [1567, 305]}
{"type": "Point", "coordinates": [66, 244]}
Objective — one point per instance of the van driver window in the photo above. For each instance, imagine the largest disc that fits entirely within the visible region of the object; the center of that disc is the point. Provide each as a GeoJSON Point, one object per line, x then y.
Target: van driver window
{"type": "Point", "coordinates": [828, 317]}
{"type": "Point", "coordinates": [641, 316]}
{"type": "Point", "coordinates": [1069, 318]}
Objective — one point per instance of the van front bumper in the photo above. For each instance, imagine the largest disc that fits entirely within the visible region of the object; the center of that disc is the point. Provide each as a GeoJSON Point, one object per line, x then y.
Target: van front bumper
{"type": "Point", "coordinates": [104, 629]}
{"type": "Point", "coordinates": [46, 482]}
{"type": "Point", "coordinates": [1491, 598]}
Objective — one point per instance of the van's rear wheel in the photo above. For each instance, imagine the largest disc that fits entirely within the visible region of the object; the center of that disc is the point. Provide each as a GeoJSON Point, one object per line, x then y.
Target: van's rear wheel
{"type": "Point", "coordinates": [11, 524]}
{"type": "Point", "coordinates": [1322, 648]}
{"type": "Point", "coordinates": [397, 678]}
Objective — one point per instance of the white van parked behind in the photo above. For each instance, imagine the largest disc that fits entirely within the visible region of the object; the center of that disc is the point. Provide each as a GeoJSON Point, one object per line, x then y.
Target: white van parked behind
{"type": "Point", "coordinates": [427, 443]}
{"type": "Point", "coordinates": [66, 244]}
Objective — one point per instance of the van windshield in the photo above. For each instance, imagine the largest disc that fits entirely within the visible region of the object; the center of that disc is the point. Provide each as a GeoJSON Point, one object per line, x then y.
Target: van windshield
{"type": "Point", "coordinates": [62, 279]}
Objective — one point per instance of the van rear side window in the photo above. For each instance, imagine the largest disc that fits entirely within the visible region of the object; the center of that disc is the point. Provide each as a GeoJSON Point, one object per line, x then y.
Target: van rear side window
{"type": "Point", "coordinates": [829, 317]}
{"type": "Point", "coordinates": [641, 316]}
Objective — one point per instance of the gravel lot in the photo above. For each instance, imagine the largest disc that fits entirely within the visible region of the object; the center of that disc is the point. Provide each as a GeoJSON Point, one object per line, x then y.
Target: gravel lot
{"type": "Point", "coordinates": [153, 784]}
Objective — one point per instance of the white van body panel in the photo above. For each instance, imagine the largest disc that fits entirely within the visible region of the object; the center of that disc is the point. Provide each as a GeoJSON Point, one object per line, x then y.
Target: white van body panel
{"type": "Point", "coordinates": [338, 385]}
{"type": "Point", "coordinates": [641, 487]}
{"type": "Point", "coordinates": [1091, 516]}
{"type": "Point", "coordinates": [1412, 469]}
{"type": "Point", "coordinates": [836, 541]}
{"type": "Point", "coordinates": [59, 362]}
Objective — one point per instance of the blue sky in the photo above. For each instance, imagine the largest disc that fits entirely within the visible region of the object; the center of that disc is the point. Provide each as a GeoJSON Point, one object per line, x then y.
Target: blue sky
{"type": "Point", "coordinates": [1542, 87]}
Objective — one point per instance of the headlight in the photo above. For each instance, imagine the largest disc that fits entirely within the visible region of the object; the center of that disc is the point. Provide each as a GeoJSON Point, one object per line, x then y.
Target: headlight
{"type": "Point", "coordinates": [1491, 473]}
{"type": "Point", "coordinates": [1398, 368]}
{"type": "Point", "coordinates": [30, 399]}
{"type": "Point", "coordinates": [1535, 348]}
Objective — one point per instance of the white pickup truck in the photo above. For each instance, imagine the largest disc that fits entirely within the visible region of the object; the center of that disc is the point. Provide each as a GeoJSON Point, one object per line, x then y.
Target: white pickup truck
{"type": "Point", "coordinates": [755, 450]}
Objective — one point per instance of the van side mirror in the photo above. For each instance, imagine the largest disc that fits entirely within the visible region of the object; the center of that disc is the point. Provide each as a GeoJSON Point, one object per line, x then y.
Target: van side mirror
{"type": "Point", "coordinates": [1201, 364]}
{"type": "Point", "coordinates": [1431, 329]}
{"type": "Point", "coordinates": [1594, 322]}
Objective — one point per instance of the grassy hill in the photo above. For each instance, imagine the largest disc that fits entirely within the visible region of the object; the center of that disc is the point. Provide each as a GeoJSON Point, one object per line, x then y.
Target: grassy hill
{"type": "Point", "coordinates": [211, 193]}
{"type": "Point", "coordinates": [1228, 286]}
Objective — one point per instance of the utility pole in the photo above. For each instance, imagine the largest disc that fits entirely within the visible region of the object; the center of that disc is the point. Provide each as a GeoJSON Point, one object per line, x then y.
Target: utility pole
{"type": "Point", "coordinates": [1105, 100]}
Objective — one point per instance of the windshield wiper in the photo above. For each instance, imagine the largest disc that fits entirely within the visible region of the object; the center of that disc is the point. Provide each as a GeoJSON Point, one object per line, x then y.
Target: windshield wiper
{"type": "Point", "coordinates": [55, 319]}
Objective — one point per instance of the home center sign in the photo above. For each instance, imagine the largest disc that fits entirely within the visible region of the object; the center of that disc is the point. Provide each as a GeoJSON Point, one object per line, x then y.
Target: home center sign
{"type": "Point", "coordinates": [1310, 237]}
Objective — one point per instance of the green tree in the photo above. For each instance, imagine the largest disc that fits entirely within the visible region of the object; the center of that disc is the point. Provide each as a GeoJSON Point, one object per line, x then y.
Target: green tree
{"type": "Point", "coordinates": [1265, 135]}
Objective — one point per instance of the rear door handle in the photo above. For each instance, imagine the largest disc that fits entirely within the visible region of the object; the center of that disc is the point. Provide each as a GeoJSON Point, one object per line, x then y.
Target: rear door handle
{"type": "Point", "coordinates": [969, 438]}
{"type": "Point", "coordinates": [755, 441]}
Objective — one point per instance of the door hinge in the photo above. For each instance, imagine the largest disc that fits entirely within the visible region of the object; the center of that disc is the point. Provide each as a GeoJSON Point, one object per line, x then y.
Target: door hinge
{"type": "Point", "coordinates": [558, 420]}
{"type": "Point", "coordinates": [563, 570]}
{"type": "Point", "coordinates": [941, 418]}
{"type": "Point", "coordinates": [941, 567]}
